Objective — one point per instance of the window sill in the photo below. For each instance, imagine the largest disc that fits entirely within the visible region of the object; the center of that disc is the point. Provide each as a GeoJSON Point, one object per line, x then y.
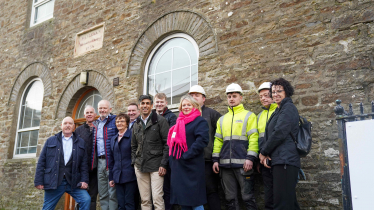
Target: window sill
{"type": "Point", "coordinates": [28, 156]}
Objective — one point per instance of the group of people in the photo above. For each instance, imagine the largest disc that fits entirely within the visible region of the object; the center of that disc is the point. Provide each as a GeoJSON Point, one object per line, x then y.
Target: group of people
{"type": "Point", "coordinates": [170, 160]}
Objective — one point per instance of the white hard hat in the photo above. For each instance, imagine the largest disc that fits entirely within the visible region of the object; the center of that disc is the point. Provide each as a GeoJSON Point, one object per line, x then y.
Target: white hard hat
{"type": "Point", "coordinates": [265, 85]}
{"type": "Point", "coordinates": [197, 89]}
{"type": "Point", "coordinates": [232, 88]}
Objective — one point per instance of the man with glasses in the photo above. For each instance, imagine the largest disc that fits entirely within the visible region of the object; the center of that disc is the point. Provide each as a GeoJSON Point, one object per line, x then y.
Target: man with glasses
{"type": "Point", "coordinates": [150, 153]}
{"type": "Point", "coordinates": [268, 107]}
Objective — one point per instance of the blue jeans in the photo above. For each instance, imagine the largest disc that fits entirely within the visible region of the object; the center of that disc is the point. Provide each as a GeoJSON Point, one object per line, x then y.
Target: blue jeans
{"type": "Point", "coordinates": [81, 196]}
{"type": "Point", "coordinates": [193, 207]}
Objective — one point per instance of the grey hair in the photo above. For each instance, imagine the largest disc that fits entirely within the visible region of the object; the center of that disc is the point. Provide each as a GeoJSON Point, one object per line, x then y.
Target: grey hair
{"type": "Point", "coordinates": [89, 106]}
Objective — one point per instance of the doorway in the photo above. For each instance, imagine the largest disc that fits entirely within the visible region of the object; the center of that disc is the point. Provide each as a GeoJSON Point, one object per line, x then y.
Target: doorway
{"type": "Point", "coordinates": [90, 97]}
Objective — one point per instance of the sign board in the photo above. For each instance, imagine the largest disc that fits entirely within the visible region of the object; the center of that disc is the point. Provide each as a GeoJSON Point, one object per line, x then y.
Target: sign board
{"type": "Point", "coordinates": [360, 144]}
{"type": "Point", "coordinates": [89, 40]}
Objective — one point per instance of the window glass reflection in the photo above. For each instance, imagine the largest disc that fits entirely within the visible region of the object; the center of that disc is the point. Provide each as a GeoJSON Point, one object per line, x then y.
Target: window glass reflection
{"type": "Point", "coordinates": [173, 69]}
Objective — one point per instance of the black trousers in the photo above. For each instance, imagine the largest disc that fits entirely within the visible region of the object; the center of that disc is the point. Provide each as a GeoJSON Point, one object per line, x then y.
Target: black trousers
{"type": "Point", "coordinates": [212, 182]}
{"type": "Point", "coordinates": [167, 178]}
{"type": "Point", "coordinates": [284, 184]}
{"type": "Point", "coordinates": [267, 177]}
{"type": "Point", "coordinates": [126, 194]}
{"type": "Point", "coordinates": [93, 188]}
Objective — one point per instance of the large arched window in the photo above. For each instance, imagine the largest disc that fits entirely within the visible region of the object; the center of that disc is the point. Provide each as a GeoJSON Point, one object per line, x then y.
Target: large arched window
{"type": "Point", "coordinates": [172, 67]}
{"type": "Point", "coordinates": [29, 119]}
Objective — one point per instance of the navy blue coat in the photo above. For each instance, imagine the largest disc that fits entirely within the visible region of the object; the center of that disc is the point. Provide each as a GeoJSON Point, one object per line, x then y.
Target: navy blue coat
{"type": "Point", "coordinates": [188, 173]}
{"type": "Point", "coordinates": [47, 169]}
{"type": "Point", "coordinates": [110, 130]}
{"type": "Point", "coordinates": [120, 169]}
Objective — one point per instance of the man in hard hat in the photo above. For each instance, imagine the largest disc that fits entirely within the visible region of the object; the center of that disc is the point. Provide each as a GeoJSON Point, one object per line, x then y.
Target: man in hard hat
{"type": "Point", "coordinates": [236, 149]}
{"type": "Point", "coordinates": [268, 107]}
{"type": "Point", "coordinates": [211, 116]}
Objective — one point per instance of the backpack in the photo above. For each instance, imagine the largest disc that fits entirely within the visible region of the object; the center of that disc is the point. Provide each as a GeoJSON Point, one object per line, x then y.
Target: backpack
{"type": "Point", "coordinates": [304, 137]}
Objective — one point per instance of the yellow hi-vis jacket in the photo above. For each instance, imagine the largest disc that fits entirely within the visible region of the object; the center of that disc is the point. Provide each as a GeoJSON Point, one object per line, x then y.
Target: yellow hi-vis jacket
{"type": "Point", "coordinates": [236, 138]}
{"type": "Point", "coordinates": [262, 119]}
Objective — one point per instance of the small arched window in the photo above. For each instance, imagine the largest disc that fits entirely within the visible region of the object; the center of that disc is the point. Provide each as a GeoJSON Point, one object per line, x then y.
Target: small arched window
{"type": "Point", "coordinates": [172, 67]}
{"type": "Point", "coordinates": [29, 119]}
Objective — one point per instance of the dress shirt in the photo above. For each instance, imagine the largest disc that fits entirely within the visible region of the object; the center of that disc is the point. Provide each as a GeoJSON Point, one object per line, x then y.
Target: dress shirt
{"type": "Point", "coordinates": [131, 124]}
{"type": "Point", "coordinates": [67, 145]}
{"type": "Point", "coordinates": [146, 119]}
{"type": "Point", "coordinates": [100, 137]}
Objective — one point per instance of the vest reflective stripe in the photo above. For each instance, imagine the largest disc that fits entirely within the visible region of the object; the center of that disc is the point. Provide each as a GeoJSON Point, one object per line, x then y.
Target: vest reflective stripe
{"type": "Point", "coordinates": [221, 122]}
{"type": "Point", "coordinates": [218, 135]}
{"type": "Point", "coordinates": [252, 153]}
{"type": "Point", "coordinates": [254, 130]}
{"type": "Point", "coordinates": [260, 135]}
{"type": "Point", "coordinates": [244, 128]}
{"type": "Point", "coordinates": [258, 117]}
{"type": "Point", "coordinates": [235, 137]}
{"type": "Point", "coordinates": [235, 161]}
{"type": "Point", "coordinates": [215, 155]}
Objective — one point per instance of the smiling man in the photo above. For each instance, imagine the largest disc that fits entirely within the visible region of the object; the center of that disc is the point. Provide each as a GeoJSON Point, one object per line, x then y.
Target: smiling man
{"type": "Point", "coordinates": [150, 153]}
{"type": "Point", "coordinates": [103, 131]}
{"type": "Point", "coordinates": [235, 149]}
{"type": "Point", "coordinates": [85, 132]}
{"type": "Point", "coordinates": [62, 167]}
{"type": "Point", "coordinates": [133, 112]}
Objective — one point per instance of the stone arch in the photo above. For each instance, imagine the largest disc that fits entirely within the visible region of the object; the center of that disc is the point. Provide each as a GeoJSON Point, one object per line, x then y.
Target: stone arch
{"type": "Point", "coordinates": [72, 90]}
{"type": "Point", "coordinates": [36, 69]}
{"type": "Point", "coordinates": [183, 21]}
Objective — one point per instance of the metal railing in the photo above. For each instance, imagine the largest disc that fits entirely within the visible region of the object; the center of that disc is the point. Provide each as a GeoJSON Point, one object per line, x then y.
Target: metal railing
{"type": "Point", "coordinates": [341, 118]}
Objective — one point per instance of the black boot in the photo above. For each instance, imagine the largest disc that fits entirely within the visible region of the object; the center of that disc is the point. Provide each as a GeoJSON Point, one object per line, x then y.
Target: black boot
{"type": "Point", "coordinates": [250, 205]}
{"type": "Point", "coordinates": [231, 205]}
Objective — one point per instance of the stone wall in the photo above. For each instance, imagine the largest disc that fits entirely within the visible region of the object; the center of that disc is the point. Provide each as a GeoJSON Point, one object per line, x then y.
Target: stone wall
{"type": "Point", "coordinates": [325, 48]}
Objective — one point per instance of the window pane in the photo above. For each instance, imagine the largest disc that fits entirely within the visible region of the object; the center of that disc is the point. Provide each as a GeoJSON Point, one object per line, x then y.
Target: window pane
{"type": "Point", "coordinates": [174, 69]}
{"type": "Point", "coordinates": [32, 149]}
{"type": "Point", "coordinates": [34, 138]}
{"type": "Point", "coordinates": [181, 83]}
{"type": "Point", "coordinates": [32, 105]}
{"type": "Point", "coordinates": [24, 139]}
{"type": "Point", "coordinates": [162, 61]}
{"type": "Point", "coordinates": [44, 11]}
{"type": "Point", "coordinates": [194, 78]}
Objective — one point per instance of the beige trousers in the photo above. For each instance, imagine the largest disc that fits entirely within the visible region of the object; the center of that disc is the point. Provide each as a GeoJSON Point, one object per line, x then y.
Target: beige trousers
{"type": "Point", "coordinates": [150, 184]}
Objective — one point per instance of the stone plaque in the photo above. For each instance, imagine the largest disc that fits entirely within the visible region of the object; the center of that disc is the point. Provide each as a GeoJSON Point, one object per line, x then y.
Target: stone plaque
{"type": "Point", "coordinates": [89, 40]}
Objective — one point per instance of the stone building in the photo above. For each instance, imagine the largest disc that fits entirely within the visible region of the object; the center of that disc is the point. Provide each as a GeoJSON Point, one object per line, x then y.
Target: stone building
{"type": "Point", "coordinates": [325, 47]}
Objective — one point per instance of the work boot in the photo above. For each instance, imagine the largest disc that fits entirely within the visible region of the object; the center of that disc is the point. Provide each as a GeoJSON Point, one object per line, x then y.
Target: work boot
{"type": "Point", "coordinates": [250, 205]}
{"type": "Point", "coordinates": [231, 205]}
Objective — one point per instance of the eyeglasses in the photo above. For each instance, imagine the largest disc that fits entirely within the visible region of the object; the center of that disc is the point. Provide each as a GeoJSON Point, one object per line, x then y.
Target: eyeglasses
{"type": "Point", "coordinates": [121, 121]}
{"type": "Point", "coordinates": [277, 92]}
{"type": "Point", "coordinates": [264, 96]}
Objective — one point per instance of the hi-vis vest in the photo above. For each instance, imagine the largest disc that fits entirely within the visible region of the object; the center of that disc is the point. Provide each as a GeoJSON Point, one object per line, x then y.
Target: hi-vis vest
{"type": "Point", "coordinates": [262, 119]}
{"type": "Point", "coordinates": [236, 138]}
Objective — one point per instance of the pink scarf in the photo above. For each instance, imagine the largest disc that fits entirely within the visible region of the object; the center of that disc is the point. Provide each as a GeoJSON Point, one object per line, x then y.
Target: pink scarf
{"type": "Point", "coordinates": [177, 133]}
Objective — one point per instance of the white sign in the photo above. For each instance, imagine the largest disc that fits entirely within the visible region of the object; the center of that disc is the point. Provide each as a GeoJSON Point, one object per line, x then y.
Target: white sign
{"type": "Point", "coordinates": [89, 40]}
{"type": "Point", "coordinates": [360, 143]}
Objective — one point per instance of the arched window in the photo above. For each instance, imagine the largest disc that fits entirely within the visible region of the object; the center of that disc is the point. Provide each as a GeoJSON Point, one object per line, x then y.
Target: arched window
{"type": "Point", "coordinates": [90, 97]}
{"type": "Point", "coordinates": [29, 119]}
{"type": "Point", "coordinates": [172, 67]}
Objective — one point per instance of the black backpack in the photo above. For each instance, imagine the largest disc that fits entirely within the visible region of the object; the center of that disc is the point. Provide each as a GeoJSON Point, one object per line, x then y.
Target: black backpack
{"type": "Point", "coordinates": [304, 137]}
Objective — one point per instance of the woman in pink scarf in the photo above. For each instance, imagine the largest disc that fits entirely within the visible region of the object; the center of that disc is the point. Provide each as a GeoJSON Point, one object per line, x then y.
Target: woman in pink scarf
{"type": "Point", "coordinates": [187, 140]}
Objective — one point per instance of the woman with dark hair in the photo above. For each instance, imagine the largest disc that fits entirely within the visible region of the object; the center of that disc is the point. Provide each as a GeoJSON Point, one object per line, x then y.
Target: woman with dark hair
{"type": "Point", "coordinates": [279, 151]}
{"type": "Point", "coordinates": [121, 173]}
{"type": "Point", "coordinates": [187, 140]}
